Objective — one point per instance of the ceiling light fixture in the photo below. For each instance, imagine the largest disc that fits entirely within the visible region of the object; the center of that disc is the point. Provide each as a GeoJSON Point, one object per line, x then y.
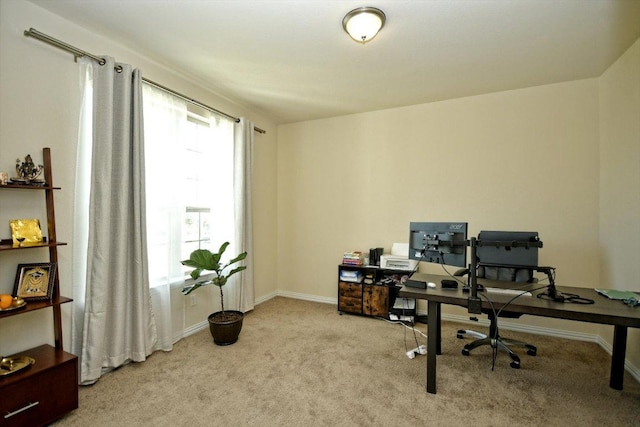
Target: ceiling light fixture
{"type": "Point", "coordinates": [363, 23]}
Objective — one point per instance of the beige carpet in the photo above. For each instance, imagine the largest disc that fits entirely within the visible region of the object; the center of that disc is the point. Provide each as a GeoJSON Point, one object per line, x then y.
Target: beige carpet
{"type": "Point", "coordinates": [300, 363]}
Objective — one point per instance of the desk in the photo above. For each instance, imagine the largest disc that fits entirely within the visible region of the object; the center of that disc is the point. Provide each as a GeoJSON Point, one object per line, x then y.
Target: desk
{"type": "Point", "coordinates": [603, 311]}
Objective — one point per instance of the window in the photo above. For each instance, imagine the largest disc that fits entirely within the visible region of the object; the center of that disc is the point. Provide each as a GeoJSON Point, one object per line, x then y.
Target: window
{"type": "Point", "coordinates": [189, 182]}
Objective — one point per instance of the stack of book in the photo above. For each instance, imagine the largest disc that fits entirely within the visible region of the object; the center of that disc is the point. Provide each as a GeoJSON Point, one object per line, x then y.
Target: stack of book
{"type": "Point", "coordinates": [352, 258]}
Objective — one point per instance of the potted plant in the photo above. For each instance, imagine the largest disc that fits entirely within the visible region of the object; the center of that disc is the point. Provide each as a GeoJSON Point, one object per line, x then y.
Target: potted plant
{"type": "Point", "coordinates": [225, 325]}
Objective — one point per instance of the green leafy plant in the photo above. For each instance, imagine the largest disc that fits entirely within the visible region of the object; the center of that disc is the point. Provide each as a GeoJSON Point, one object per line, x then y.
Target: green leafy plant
{"type": "Point", "coordinates": [205, 260]}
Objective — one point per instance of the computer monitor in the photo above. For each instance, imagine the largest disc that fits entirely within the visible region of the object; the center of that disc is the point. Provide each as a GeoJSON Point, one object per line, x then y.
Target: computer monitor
{"type": "Point", "coordinates": [439, 242]}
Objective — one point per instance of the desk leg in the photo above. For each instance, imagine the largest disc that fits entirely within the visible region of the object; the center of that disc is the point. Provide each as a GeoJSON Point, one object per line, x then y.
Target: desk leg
{"type": "Point", "coordinates": [439, 331]}
{"type": "Point", "coordinates": [433, 344]}
{"type": "Point", "coordinates": [617, 358]}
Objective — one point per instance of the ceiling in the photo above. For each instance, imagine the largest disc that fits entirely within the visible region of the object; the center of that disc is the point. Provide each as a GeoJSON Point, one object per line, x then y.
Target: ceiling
{"type": "Point", "coordinates": [291, 60]}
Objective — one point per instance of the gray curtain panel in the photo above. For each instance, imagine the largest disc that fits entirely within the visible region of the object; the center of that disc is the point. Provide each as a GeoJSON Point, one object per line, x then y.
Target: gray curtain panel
{"type": "Point", "coordinates": [118, 325]}
{"type": "Point", "coordinates": [243, 288]}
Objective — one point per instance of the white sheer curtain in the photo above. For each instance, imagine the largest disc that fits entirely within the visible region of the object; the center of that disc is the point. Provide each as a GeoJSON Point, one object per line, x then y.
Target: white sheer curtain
{"type": "Point", "coordinates": [189, 160]}
{"type": "Point", "coordinates": [242, 286]}
{"type": "Point", "coordinates": [111, 283]}
{"type": "Point", "coordinates": [118, 248]}
{"type": "Point", "coordinates": [165, 121]}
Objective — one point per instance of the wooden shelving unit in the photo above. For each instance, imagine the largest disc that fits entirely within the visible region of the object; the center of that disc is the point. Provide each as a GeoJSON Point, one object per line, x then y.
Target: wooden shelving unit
{"type": "Point", "coordinates": [369, 295]}
{"type": "Point", "coordinates": [48, 389]}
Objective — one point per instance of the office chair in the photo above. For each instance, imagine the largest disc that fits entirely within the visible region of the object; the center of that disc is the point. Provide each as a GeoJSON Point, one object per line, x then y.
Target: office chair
{"type": "Point", "coordinates": [493, 339]}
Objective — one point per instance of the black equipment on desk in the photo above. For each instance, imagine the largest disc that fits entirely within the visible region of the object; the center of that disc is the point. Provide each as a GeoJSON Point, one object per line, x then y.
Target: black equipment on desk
{"type": "Point", "coordinates": [449, 284]}
{"type": "Point", "coordinates": [439, 242]}
{"type": "Point", "coordinates": [374, 256]}
{"type": "Point", "coordinates": [418, 284]}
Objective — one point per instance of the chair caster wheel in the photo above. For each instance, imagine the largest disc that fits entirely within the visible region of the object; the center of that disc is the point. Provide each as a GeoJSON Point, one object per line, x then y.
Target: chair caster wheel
{"type": "Point", "coordinates": [460, 336]}
{"type": "Point", "coordinates": [515, 365]}
{"type": "Point", "coordinates": [465, 352]}
{"type": "Point", "coordinates": [532, 350]}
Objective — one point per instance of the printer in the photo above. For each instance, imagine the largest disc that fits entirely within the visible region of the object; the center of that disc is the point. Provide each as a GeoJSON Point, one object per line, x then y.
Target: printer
{"type": "Point", "coordinates": [398, 259]}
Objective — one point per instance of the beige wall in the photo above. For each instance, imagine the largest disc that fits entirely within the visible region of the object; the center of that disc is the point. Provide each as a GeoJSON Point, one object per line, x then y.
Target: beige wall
{"type": "Point", "coordinates": [39, 104]}
{"type": "Point", "coordinates": [529, 159]}
{"type": "Point", "coordinates": [619, 245]}
{"type": "Point", "coordinates": [524, 160]}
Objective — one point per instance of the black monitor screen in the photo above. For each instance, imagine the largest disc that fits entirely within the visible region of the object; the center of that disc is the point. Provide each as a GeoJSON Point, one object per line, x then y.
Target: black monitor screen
{"type": "Point", "coordinates": [439, 242]}
{"type": "Point", "coordinates": [517, 248]}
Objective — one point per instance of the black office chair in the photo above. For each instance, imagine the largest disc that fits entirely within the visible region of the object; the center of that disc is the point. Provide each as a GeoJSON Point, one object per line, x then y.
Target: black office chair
{"type": "Point", "coordinates": [493, 339]}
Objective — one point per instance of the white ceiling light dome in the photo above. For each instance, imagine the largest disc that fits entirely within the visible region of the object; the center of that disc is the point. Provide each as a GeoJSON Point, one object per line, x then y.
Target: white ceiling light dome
{"type": "Point", "coordinates": [363, 23]}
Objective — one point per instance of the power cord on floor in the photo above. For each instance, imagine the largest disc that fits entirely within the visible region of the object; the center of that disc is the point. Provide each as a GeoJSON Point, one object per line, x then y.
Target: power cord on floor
{"type": "Point", "coordinates": [419, 349]}
{"type": "Point", "coordinates": [399, 322]}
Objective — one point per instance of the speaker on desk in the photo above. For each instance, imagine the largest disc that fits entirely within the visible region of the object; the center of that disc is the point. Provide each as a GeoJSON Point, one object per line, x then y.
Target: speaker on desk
{"type": "Point", "coordinates": [374, 255]}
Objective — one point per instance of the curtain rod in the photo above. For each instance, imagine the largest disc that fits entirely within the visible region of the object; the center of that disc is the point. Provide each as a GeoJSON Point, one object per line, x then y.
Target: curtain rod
{"type": "Point", "coordinates": [32, 32]}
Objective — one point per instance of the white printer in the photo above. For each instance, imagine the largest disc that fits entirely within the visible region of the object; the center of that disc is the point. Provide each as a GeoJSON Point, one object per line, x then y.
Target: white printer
{"type": "Point", "coordinates": [398, 259]}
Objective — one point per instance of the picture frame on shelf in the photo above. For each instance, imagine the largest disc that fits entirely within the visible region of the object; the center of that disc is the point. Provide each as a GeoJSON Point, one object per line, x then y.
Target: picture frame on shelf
{"type": "Point", "coordinates": [35, 281]}
{"type": "Point", "coordinates": [25, 232]}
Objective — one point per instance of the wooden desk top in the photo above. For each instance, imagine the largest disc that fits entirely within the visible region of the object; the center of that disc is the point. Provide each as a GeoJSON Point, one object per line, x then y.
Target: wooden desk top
{"type": "Point", "coordinates": [603, 310]}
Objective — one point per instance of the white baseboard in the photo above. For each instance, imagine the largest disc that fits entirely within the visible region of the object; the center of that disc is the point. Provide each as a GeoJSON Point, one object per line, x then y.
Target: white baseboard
{"type": "Point", "coordinates": [510, 326]}
{"type": "Point", "coordinates": [559, 333]}
{"type": "Point", "coordinates": [195, 328]}
{"type": "Point", "coordinates": [306, 297]}
{"type": "Point", "coordinates": [205, 323]}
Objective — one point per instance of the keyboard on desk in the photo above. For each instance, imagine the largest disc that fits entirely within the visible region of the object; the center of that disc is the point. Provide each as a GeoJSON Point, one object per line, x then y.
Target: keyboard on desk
{"type": "Point", "coordinates": [504, 291]}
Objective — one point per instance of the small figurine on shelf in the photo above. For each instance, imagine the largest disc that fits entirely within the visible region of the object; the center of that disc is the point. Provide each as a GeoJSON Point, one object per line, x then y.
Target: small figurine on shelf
{"type": "Point", "coordinates": [28, 171]}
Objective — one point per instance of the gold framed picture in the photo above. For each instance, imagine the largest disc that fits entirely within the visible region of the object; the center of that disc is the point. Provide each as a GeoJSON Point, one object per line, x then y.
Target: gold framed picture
{"type": "Point", "coordinates": [35, 281]}
{"type": "Point", "coordinates": [25, 232]}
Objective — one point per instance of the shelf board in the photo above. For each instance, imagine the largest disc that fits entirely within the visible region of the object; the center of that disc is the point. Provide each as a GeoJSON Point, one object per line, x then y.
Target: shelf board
{"type": "Point", "coordinates": [36, 305]}
{"type": "Point", "coordinates": [7, 245]}
{"type": "Point", "coordinates": [29, 187]}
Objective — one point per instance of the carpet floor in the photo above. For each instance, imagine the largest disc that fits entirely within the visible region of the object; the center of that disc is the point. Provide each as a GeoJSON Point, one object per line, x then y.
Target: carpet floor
{"type": "Point", "coordinates": [301, 363]}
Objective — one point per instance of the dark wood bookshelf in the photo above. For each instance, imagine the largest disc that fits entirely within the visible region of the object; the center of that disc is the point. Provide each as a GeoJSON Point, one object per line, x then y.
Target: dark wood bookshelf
{"type": "Point", "coordinates": [47, 390]}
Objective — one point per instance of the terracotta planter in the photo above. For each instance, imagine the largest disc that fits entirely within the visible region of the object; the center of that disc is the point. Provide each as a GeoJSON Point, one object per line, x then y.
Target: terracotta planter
{"type": "Point", "coordinates": [225, 328]}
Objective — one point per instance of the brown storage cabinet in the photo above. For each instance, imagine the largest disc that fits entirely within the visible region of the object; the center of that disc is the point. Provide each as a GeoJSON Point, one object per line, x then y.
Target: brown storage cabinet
{"type": "Point", "coordinates": [48, 389]}
{"type": "Point", "coordinates": [367, 296]}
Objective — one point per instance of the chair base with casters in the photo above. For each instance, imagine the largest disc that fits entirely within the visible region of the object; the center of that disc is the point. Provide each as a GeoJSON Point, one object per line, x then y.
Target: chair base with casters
{"type": "Point", "coordinates": [496, 342]}
{"type": "Point", "coordinates": [494, 339]}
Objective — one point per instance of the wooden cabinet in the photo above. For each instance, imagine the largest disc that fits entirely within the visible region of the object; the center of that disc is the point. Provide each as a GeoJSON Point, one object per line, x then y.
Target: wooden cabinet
{"type": "Point", "coordinates": [367, 290]}
{"type": "Point", "coordinates": [42, 393]}
{"type": "Point", "coordinates": [48, 389]}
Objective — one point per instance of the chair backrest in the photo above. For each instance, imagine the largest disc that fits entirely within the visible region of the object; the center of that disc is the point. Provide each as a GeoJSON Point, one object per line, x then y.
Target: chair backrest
{"type": "Point", "coordinates": [507, 255]}
{"type": "Point", "coordinates": [508, 248]}
{"type": "Point", "coordinates": [507, 274]}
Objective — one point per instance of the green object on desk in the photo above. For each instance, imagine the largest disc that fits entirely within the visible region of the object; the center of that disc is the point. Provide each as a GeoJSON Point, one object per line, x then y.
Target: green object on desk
{"type": "Point", "coordinates": [618, 295]}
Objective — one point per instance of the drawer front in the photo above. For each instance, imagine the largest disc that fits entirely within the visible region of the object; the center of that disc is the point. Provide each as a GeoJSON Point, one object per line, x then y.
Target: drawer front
{"type": "Point", "coordinates": [42, 398]}
{"type": "Point", "coordinates": [349, 290]}
{"type": "Point", "coordinates": [350, 305]}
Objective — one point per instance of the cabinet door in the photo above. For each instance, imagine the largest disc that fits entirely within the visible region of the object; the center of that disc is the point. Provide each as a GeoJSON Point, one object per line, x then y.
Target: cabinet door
{"type": "Point", "coordinates": [375, 300]}
{"type": "Point", "coordinates": [350, 297]}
